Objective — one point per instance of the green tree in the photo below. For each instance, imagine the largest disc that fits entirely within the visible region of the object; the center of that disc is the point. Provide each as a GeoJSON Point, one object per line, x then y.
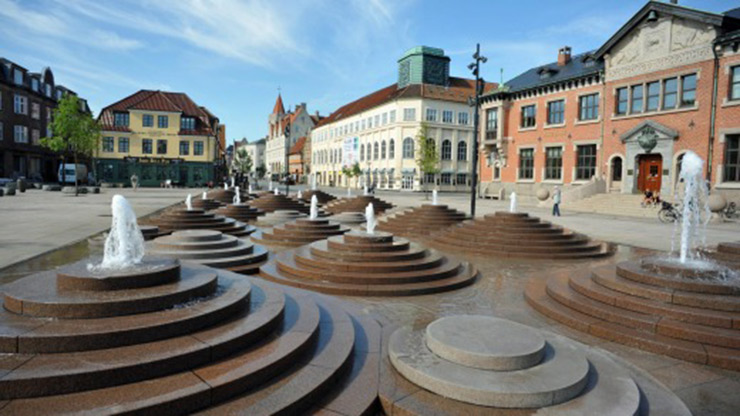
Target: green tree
{"type": "Point", "coordinates": [242, 163]}
{"type": "Point", "coordinates": [260, 170]}
{"type": "Point", "coordinates": [73, 130]}
{"type": "Point", "coordinates": [427, 159]}
{"type": "Point", "coordinates": [351, 172]}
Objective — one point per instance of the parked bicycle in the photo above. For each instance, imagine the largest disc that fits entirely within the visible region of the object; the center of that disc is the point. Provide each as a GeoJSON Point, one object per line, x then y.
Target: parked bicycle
{"type": "Point", "coordinates": [730, 212]}
{"type": "Point", "coordinates": [669, 212]}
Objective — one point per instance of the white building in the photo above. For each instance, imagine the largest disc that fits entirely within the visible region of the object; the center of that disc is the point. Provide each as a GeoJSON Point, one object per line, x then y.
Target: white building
{"type": "Point", "coordinates": [284, 131]}
{"type": "Point", "coordinates": [256, 151]}
{"type": "Point", "coordinates": [379, 130]}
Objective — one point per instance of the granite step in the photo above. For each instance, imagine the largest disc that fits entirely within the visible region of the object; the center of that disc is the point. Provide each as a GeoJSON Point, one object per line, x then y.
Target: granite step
{"type": "Point", "coordinates": [426, 259]}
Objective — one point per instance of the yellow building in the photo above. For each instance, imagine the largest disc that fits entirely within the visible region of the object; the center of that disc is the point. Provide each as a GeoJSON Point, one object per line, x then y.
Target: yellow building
{"type": "Point", "coordinates": [158, 136]}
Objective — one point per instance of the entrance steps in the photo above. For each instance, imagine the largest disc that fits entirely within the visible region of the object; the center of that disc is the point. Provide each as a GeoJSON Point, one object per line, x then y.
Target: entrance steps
{"type": "Point", "coordinates": [618, 204]}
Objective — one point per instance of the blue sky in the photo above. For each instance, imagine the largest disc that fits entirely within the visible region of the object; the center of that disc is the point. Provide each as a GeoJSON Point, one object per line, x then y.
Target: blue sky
{"type": "Point", "coordinates": [232, 55]}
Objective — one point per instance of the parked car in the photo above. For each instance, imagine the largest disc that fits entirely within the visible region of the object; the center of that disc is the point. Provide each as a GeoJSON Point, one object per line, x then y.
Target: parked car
{"type": "Point", "coordinates": [68, 174]}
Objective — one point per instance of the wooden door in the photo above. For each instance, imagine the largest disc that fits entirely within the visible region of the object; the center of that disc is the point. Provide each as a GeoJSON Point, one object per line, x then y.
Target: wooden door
{"type": "Point", "coordinates": [651, 172]}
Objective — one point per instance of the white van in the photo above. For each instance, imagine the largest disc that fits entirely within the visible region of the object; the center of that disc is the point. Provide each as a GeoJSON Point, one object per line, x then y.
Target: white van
{"type": "Point", "coordinates": [67, 173]}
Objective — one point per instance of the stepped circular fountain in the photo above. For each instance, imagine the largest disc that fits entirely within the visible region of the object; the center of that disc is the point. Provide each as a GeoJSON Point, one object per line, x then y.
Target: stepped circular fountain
{"type": "Point", "coordinates": [357, 204]}
{"type": "Point", "coordinates": [422, 221]}
{"type": "Point", "coordinates": [223, 196]}
{"type": "Point", "coordinates": [352, 219]}
{"type": "Point", "coordinates": [140, 334]}
{"type": "Point", "coordinates": [323, 197]}
{"type": "Point", "coordinates": [369, 263]}
{"type": "Point", "coordinates": [189, 218]}
{"type": "Point", "coordinates": [514, 234]}
{"type": "Point", "coordinates": [271, 202]}
{"type": "Point", "coordinates": [727, 253]}
{"type": "Point", "coordinates": [206, 203]}
{"type": "Point", "coordinates": [279, 217]}
{"type": "Point", "coordinates": [472, 364]}
{"type": "Point", "coordinates": [238, 210]}
{"type": "Point", "coordinates": [682, 305]}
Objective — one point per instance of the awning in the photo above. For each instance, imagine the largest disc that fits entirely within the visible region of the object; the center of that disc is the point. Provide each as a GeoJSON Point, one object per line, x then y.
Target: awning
{"type": "Point", "coordinates": [447, 171]}
{"type": "Point", "coordinates": [408, 170]}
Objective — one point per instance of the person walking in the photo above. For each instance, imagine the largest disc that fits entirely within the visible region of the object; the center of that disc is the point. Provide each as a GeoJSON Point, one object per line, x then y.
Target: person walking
{"type": "Point", "coordinates": [556, 198]}
{"type": "Point", "coordinates": [135, 182]}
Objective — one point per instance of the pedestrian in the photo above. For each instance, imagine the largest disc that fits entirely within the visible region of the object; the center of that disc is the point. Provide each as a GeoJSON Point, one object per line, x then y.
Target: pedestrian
{"type": "Point", "coordinates": [134, 181]}
{"type": "Point", "coordinates": [556, 198]}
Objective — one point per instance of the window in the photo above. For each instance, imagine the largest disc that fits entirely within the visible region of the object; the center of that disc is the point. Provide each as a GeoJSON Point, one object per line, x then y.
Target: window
{"type": "Point", "coordinates": [146, 146]}
{"type": "Point", "coordinates": [528, 116]}
{"type": "Point", "coordinates": [187, 123]}
{"type": "Point", "coordinates": [147, 120]}
{"type": "Point", "coordinates": [637, 95]}
{"type": "Point", "coordinates": [588, 107]}
{"type": "Point", "coordinates": [382, 150]}
{"type": "Point", "coordinates": [491, 120]}
{"type": "Point", "coordinates": [461, 179]}
{"type": "Point", "coordinates": [462, 151]}
{"type": "Point", "coordinates": [462, 118]}
{"type": "Point", "coordinates": [36, 136]}
{"type": "Point", "coordinates": [162, 147]}
{"type": "Point", "coordinates": [429, 178]}
{"type": "Point", "coordinates": [385, 118]}
{"type": "Point", "coordinates": [735, 83]}
{"type": "Point", "coordinates": [20, 134]}
{"type": "Point", "coordinates": [184, 148]}
{"type": "Point", "coordinates": [585, 161]}
{"type": "Point", "coordinates": [408, 148]}
{"type": "Point", "coordinates": [34, 84]}
{"type": "Point", "coordinates": [392, 149]}
{"type": "Point", "coordinates": [445, 179]}
{"type": "Point", "coordinates": [431, 114]}
{"type": "Point", "coordinates": [447, 116]}
{"type": "Point", "coordinates": [653, 96]}
{"type": "Point", "coordinates": [123, 145]}
{"type": "Point", "coordinates": [108, 144]}
{"type": "Point", "coordinates": [377, 120]}
{"type": "Point", "coordinates": [526, 164]}
{"type": "Point", "coordinates": [622, 100]}
{"type": "Point", "coordinates": [47, 90]}
{"type": "Point", "coordinates": [670, 91]}
{"type": "Point", "coordinates": [369, 122]}
{"type": "Point", "coordinates": [20, 104]}
{"type": "Point", "coordinates": [446, 150]}
{"type": "Point", "coordinates": [36, 110]}
{"type": "Point", "coordinates": [732, 158]}
{"type": "Point", "coordinates": [556, 112]}
{"type": "Point", "coordinates": [198, 148]}
{"type": "Point", "coordinates": [163, 122]}
{"type": "Point", "coordinates": [362, 152]}
{"type": "Point", "coordinates": [120, 119]}
{"type": "Point", "coordinates": [18, 76]}
{"type": "Point", "coordinates": [554, 163]}
{"type": "Point", "coordinates": [376, 151]}
{"type": "Point", "coordinates": [393, 116]}
{"type": "Point", "coordinates": [409, 114]}
{"type": "Point", "coordinates": [688, 90]}
{"type": "Point", "coordinates": [363, 124]}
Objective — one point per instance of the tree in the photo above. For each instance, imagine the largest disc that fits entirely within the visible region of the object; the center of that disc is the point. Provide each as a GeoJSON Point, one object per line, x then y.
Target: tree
{"type": "Point", "coordinates": [73, 130]}
{"type": "Point", "coordinates": [260, 170]}
{"type": "Point", "coordinates": [242, 164]}
{"type": "Point", "coordinates": [427, 159]}
{"type": "Point", "coordinates": [351, 172]}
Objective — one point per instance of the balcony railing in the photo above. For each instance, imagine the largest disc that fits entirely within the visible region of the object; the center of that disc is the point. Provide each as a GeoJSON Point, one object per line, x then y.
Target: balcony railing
{"type": "Point", "coordinates": [491, 136]}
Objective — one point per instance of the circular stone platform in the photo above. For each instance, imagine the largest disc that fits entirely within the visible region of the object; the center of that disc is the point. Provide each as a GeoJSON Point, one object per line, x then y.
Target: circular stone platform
{"type": "Point", "coordinates": [655, 304]}
{"type": "Point", "coordinates": [362, 264]}
{"type": "Point", "coordinates": [357, 204]}
{"type": "Point", "coordinates": [518, 235]}
{"type": "Point", "coordinates": [421, 221]}
{"type": "Point", "coordinates": [349, 218]}
{"type": "Point", "coordinates": [240, 212]}
{"type": "Point", "coordinates": [321, 196]}
{"type": "Point", "coordinates": [197, 219]}
{"type": "Point", "coordinates": [279, 217]}
{"type": "Point", "coordinates": [224, 196]}
{"type": "Point", "coordinates": [207, 204]}
{"type": "Point", "coordinates": [272, 203]}
{"type": "Point", "coordinates": [211, 248]}
{"type": "Point", "coordinates": [727, 253]}
{"type": "Point", "coordinates": [298, 232]}
{"type": "Point", "coordinates": [568, 379]}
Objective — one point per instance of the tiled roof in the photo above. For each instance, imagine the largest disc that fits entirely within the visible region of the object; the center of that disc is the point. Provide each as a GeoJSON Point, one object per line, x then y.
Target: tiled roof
{"type": "Point", "coordinates": [298, 146]}
{"type": "Point", "coordinates": [279, 108]}
{"type": "Point", "coordinates": [458, 90]}
{"type": "Point", "coordinates": [578, 66]}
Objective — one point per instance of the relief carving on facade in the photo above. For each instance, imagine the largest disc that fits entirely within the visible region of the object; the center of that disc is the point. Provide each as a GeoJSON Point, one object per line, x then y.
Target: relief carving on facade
{"type": "Point", "coordinates": [687, 34]}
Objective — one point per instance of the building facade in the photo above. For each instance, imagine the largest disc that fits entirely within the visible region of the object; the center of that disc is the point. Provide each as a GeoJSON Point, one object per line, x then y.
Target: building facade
{"type": "Point", "coordinates": [379, 131]}
{"type": "Point", "coordinates": [256, 151]}
{"type": "Point", "coordinates": [622, 117]}
{"type": "Point", "coordinates": [27, 103]}
{"type": "Point", "coordinates": [284, 130]}
{"type": "Point", "coordinates": [158, 136]}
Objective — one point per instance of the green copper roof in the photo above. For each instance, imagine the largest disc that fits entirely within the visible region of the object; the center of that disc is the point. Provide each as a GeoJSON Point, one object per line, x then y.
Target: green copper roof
{"type": "Point", "coordinates": [426, 50]}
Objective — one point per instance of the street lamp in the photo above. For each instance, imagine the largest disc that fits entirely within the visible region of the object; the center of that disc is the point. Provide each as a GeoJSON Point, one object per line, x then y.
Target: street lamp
{"type": "Point", "coordinates": [474, 67]}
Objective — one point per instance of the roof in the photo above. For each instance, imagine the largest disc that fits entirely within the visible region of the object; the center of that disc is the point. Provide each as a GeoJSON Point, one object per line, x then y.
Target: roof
{"type": "Point", "coordinates": [278, 108]}
{"type": "Point", "coordinates": [579, 66]}
{"type": "Point", "coordinates": [298, 146]}
{"type": "Point", "coordinates": [458, 90]}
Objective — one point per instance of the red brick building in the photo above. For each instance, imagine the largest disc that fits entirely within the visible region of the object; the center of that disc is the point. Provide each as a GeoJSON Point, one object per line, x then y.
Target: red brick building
{"type": "Point", "coordinates": [621, 117]}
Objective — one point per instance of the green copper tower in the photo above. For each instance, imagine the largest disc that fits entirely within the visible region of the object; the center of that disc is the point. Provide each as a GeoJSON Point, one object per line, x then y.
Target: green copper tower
{"type": "Point", "coordinates": [423, 65]}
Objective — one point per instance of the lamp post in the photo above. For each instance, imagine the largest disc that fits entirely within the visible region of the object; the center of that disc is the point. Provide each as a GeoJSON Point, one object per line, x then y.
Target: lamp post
{"type": "Point", "coordinates": [475, 103]}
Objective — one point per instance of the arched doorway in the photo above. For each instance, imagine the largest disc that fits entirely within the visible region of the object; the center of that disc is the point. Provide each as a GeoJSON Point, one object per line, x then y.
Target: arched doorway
{"type": "Point", "coordinates": [615, 173]}
{"type": "Point", "coordinates": [650, 172]}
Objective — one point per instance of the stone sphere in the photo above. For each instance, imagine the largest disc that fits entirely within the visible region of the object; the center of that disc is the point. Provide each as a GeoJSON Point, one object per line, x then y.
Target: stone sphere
{"type": "Point", "coordinates": [21, 185]}
{"type": "Point", "coordinates": [543, 194]}
{"type": "Point", "coordinates": [717, 202]}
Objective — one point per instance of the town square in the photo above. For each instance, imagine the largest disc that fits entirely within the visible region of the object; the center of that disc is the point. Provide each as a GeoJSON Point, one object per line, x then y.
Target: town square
{"type": "Point", "coordinates": [526, 211]}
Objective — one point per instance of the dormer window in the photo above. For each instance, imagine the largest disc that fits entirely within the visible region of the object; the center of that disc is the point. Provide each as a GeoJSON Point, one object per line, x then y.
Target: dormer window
{"type": "Point", "coordinates": [187, 123]}
{"type": "Point", "coordinates": [547, 72]}
{"type": "Point", "coordinates": [47, 90]}
{"type": "Point", "coordinates": [120, 119]}
{"type": "Point", "coordinates": [18, 76]}
{"type": "Point", "coordinates": [34, 84]}
{"type": "Point", "coordinates": [59, 94]}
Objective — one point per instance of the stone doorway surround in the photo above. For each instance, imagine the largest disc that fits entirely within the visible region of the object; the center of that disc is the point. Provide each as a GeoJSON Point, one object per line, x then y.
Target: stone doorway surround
{"type": "Point", "coordinates": [647, 137]}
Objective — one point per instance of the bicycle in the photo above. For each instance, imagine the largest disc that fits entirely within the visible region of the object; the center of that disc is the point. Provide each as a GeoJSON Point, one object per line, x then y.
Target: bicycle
{"type": "Point", "coordinates": [730, 212]}
{"type": "Point", "coordinates": [669, 213]}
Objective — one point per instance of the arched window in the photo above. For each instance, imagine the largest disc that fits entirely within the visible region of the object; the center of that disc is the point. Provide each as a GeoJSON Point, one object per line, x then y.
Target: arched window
{"type": "Point", "coordinates": [408, 148]}
{"type": "Point", "coordinates": [382, 150]}
{"type": "Point", "coordinates": [462, 151]}
{"type": "Point", "coordinates": [362, 152]}
{"type": "Point", "coordinates": [446, 150]}
{"type": "Point", "coordinates": [375, 151]}
{"type": "Point", "coordinates": [392, 149]}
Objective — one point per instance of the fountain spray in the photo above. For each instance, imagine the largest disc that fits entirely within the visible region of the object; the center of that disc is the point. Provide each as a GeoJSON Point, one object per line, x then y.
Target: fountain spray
{"type": "Point", "coordinates": [434, 197]}
{"type": "Point", "coordinates": [314, 207]}
{"type": "Point", "coordinates": [249, 188]}
{"type": "Point", "coordinates": [276, 191]}
{"type": "Point", "coordinates": [349, 192]}
{"type": "Point", "coordinates": [694, 202]}
{"type": "Point", "coordinates": [204, 196]}
{"type": "Point", "coordinates": [370, 218]}
{"type": "Point", "coordinates": [299, 195]}
{"type": "Point", "coordinates": [364, 190]}
{"type": "Point", "coordinates": [189, 202]}
{"type": "Point", "coordinates": [512, 204]}
{"type": "Point", "coordinates": [237, 197]}
{"type": "Point", "coordinates": [313, 182]}
{"type": "Point", "coordinates": [124, 246]}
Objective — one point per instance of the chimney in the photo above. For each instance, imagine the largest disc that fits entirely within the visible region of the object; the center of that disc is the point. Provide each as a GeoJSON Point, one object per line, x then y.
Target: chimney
{"type": "Point", "coordinates": [564, 56]}
{"type": "Point", "coordinates": [674, 1]}
{"type": "Point", "coordinates": [317, 113]}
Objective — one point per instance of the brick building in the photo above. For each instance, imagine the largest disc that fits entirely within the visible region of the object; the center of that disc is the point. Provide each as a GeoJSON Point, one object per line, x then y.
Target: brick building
{"type": "Point", "coordinates": [27, 103]}
{"type": "Point", "coordinates": [621, 117]}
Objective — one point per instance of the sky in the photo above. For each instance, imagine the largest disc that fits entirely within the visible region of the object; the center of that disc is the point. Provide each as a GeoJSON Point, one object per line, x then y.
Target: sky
{"type": "Point", "coordinates": [233, 56]}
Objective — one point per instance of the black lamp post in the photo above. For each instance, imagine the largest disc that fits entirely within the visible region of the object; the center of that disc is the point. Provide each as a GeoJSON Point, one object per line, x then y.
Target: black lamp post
{"type": "Point", "coordinates": [475, 103]}
{"type": "Point", "coordinates": [287, 160]}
